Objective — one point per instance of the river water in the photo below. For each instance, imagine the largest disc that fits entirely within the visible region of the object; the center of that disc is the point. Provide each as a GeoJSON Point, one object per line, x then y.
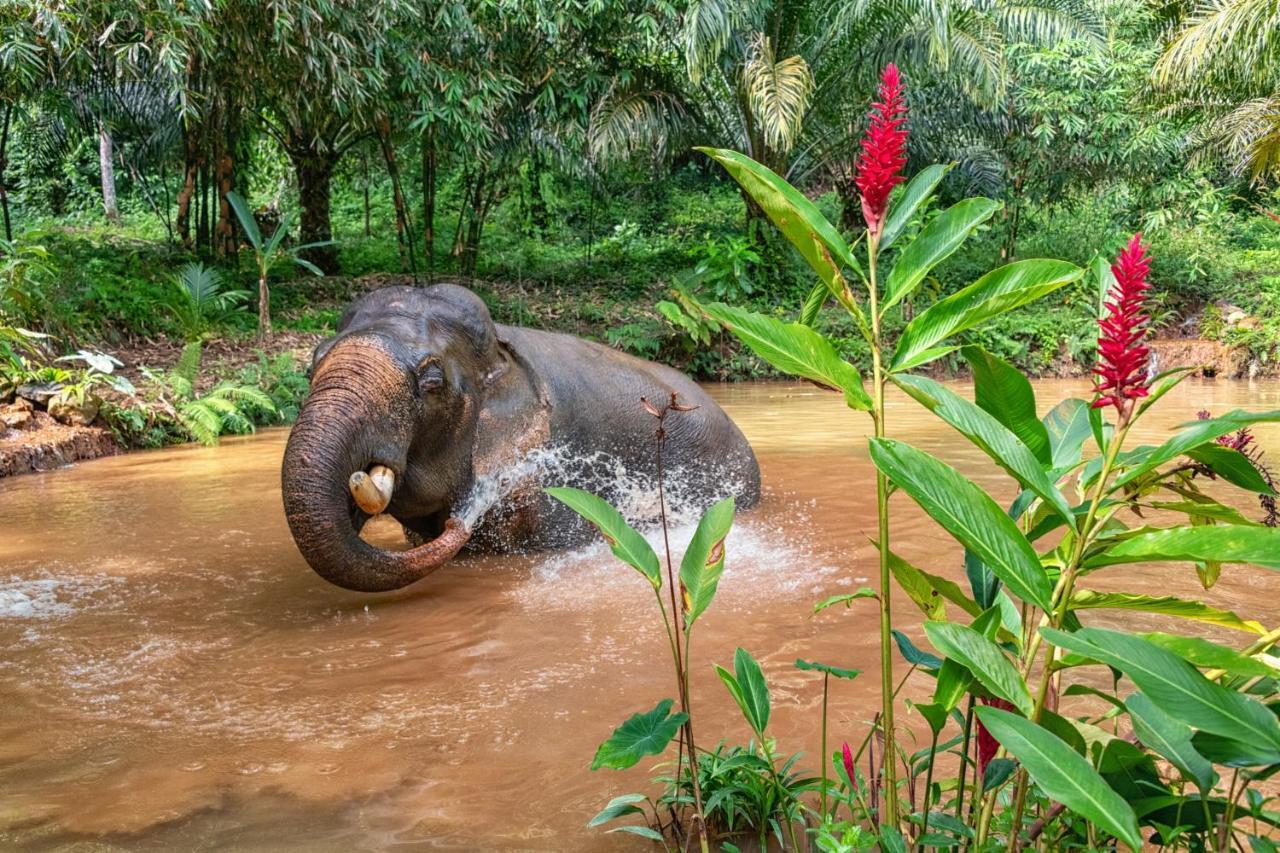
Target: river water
{"type": "Point", "coordinates": [174, 677]}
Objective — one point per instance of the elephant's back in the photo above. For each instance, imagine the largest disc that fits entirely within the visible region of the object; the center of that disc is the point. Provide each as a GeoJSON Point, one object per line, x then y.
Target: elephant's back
{"type": "Point", "coordinates": [586, 371]}
{"type": "Point", "coordinates": [595, 394]}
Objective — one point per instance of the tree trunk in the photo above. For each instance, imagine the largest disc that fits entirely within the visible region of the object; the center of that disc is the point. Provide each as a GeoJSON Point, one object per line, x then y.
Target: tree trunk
{"type": "Point", "coordinates": [364, 160]}
{"type": "Point", "coordinates": [459, 235]}
{"type": "Point", "coordinates": [315, 175]}
{"type": "Point", "coordinates": [264, 311]}
{"type": "Point", "coordinates": [226, 140]}
{"type": "Point", "coordinates": [429, 199]}
{"type": "Point", "coordinates": [475, 224]}
{"type": "Point", "coordinates": [202, 206]}
{"type": "Point", "coordinates": [109, 205]}
{"type": "Point", "coordinates": [403, 238]}
{"type": "Point", "coordinates": [4, 162]}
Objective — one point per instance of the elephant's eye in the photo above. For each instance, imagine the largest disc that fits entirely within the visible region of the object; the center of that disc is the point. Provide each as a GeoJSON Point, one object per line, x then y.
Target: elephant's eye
{"type": "Point", "coordinates": [431, 377]}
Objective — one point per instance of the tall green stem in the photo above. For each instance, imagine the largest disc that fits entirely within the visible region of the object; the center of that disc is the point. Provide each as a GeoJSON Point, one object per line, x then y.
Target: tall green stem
{"type": "Point", "coordinates": [889, 812]}
{"type": "Point", "coordinates": [825, 758]}
{"type": "Point", "coordinates": [928, 789]}
{"type": "Point", "coordinates": [1061, 605]}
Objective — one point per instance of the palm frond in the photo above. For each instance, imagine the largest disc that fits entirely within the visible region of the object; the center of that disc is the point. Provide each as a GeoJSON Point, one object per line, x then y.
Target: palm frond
{"type": "Point", "coordinates": [708, 26]}
{"type": "Point", "coordinates": [778, 93]}
{"type": "Point", "coordinates": [1242, 33]}
{"type": "Point", "coordinates": [625, 123]}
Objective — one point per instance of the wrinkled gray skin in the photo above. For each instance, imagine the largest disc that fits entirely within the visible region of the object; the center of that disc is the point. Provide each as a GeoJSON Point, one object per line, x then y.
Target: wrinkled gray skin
{"type": "Point", "coordinates": [423, 382]}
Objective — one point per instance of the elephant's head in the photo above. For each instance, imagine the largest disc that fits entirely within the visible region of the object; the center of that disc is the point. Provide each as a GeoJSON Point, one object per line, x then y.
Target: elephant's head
{"type": "Point", "coordinates": [397, 392]}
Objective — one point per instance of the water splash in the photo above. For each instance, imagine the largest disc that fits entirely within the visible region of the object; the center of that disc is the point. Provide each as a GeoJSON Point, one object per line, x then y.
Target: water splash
{"type": "Point", "coordinates": [689, 490]}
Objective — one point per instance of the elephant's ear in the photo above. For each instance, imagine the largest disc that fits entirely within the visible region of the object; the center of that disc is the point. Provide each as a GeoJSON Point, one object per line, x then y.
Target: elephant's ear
{"type": "Point", "coordinates": [514, 417]}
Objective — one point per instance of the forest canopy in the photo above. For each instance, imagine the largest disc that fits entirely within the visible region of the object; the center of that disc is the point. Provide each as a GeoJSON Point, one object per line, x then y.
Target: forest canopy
{"type": "Point", "coordinates": [545, 153]}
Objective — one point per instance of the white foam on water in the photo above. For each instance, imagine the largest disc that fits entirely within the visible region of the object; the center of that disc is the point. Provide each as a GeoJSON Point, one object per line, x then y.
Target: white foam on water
{"type": "Point", "coordinates": [50, 596]}
{"type": "Point", "coordinates": [759, 557]}
{"type": "Point", "coordinates": [634, 494]}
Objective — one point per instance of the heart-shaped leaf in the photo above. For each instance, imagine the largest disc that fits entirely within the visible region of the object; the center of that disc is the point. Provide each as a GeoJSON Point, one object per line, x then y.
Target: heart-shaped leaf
{"type": "Point", "coordinates": [641, 735]}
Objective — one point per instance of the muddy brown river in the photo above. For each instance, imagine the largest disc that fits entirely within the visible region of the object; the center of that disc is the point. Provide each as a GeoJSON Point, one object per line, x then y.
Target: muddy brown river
{"type": "Point", "coordinates": [174, 677]}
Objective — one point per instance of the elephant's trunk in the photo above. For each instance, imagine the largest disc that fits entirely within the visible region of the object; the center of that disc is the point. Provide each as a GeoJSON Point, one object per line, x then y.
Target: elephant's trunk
{"type": "Point", "coordinates": [349, 424]}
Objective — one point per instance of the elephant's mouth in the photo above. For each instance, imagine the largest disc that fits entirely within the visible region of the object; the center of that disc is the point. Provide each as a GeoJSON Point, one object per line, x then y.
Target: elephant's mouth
{"type": "Point", "coordinates": [327, 521]}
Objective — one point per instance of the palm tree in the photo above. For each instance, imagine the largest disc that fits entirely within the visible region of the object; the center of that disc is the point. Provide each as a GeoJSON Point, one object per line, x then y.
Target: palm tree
{"type": "Point", "coordinates": [1224, 61]}
{"type": "Point", "coordinates": [785, 82]}
{"type": "Point", "coordinates": [269, 253]}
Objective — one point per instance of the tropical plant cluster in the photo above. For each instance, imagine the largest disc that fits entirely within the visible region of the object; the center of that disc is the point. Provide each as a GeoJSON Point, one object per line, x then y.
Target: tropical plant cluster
{"type": "Point", "coordinates": [551, 147]}
{"type": "Point", "coordinates": [1048, 727]}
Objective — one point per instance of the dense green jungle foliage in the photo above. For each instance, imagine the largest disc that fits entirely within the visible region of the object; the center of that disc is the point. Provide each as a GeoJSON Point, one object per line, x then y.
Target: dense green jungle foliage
{"type": "Point", "coordinates": [560, 182]}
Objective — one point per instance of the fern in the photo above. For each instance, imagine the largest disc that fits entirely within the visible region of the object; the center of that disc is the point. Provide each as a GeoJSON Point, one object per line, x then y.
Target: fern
{"type": "Point", "coordinates": [228, 409]}
{"type": "Point", "coordinates": [188, 366]}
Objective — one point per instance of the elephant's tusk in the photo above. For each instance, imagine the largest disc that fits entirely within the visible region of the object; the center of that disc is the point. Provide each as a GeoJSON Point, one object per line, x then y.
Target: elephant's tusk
{"type": "Point", "coordinates": [372, 491]}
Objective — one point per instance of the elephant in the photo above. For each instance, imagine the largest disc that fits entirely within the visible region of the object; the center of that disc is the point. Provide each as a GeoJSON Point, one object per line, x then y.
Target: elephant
{"type": "Point", "coordinates": [422, 407]}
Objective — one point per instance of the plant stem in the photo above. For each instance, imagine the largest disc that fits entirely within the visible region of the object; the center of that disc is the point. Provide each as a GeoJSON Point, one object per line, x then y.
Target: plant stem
{"type": "Point", "coordinates": [682, 677]}
{"type": "Point", "coordinates": [964, 759]}
{"type": "Point", "coordinates": [928, 787]}
{"type": "Point", "coordinates": [825, 758]}
{"type": "Point", "coordinates": [1061, 605]}
{"type": "Point", "coordinates": [889, 814]}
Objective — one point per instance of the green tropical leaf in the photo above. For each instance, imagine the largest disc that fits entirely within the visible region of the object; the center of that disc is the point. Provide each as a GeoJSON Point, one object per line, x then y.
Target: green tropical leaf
{"type": "Point", "coordinates": [1003, 392]}
{"type": "Point", "coordinates": [954, 680]}
{"type": "Point", "coordinates": [845, 598]}
{"type": "Point", "coordinates": [642, 831]}
{"type": "Point", "coordinates": [914, 655]}
{"type": "Point", "coordinates": [799, 220]}
{"type": "Point", "coordinates": [1163, 384]}
{"type": "Point", "coordinates": [915, 194]}
{"type": "Point", "coordinates": [247, 220]}
{"type": "Point", "coordinates": [1175, 686]}
{"type": "Point", "coordinates": [1193, 435]}
{"type": "Point", "coordinates": [998, 292]}
{"type": "Point", "coordinates": [997, 772]}
{"type": "Point", "coordinates": [747, 686]}
{"type": "Point", "coordinates": [913, 582]}
{"type": "Point", "coordinates": [619, 807]}
{"type": "Point", "coordinates": [813, 304]}
{"type": "Point", "coordinates": [936, 242]}
{"type": "Point", "coordinates": [969, 515]}
{"type": "Point", "coordinates": [991, 437]}
{"type": "Point", "coordinates": [983, 659]}
{"type": "Point", "coordinates": [1237, 753]}
{"type": "Point", "coordinates": [795, 349]}
{"type": "Point", "coordinates": [1207, 654]}
{"type": "Point", "coordinates": [1222, 543]}
{"type": "Point", "coordinates": [1204, 507]}
{"type": "Point", "coordinates": [703, 560]}
{"type": "Point", "coordinates": [1232, 466]}
{"type": "Point", "coordinates": [627, 545]}
{"type": "Point", "coordinates": [1167, 605]}
{"type": "Point", "coordinates": [1068, 427]}
{"type": "Point", "coordinates": [891, 840]}
{"type": "Point", "coordinates": [828, 669]}
{"type": "Point", "coordinates": [642, 734]}
{"type": "Point", "coordinates": [928, 591]}
{"type": "Point", "coordinates": [1062, 774]}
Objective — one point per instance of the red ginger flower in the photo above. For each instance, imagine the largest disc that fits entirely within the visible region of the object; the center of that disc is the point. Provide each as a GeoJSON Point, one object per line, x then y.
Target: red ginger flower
{"type": "Point", "coordinates": [1122, 357]}
{"type": "Point", "coordinates": [846, 756]}
{"type": "Point", "coordinates": [987, 743]}
{"type": "Point", "coordinates": [883, 150]}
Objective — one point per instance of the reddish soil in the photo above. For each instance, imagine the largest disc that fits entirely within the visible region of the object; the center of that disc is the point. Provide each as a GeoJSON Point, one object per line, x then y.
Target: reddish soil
{"type": "Point", "coordinates": [42, 444]}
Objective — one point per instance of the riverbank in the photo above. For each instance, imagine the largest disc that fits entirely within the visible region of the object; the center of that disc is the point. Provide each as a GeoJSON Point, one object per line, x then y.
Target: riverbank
{"type": "Point", "coordinates": [162, 400]}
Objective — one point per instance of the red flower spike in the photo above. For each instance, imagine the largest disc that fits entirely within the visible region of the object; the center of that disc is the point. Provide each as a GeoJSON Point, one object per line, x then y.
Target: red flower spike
{"type": "Point", "coordinates": [846, 756]}
{"type": "Point", "coordinates": [883, 150]}
{"type": "Point", "coordinates": [1122, 357]}
{"type": "Point", "coordinates": [987, 743]}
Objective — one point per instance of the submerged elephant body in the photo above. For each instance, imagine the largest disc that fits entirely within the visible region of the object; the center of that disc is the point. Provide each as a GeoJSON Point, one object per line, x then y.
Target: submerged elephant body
{"type": "Point", "coordinates": [464, 421]}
